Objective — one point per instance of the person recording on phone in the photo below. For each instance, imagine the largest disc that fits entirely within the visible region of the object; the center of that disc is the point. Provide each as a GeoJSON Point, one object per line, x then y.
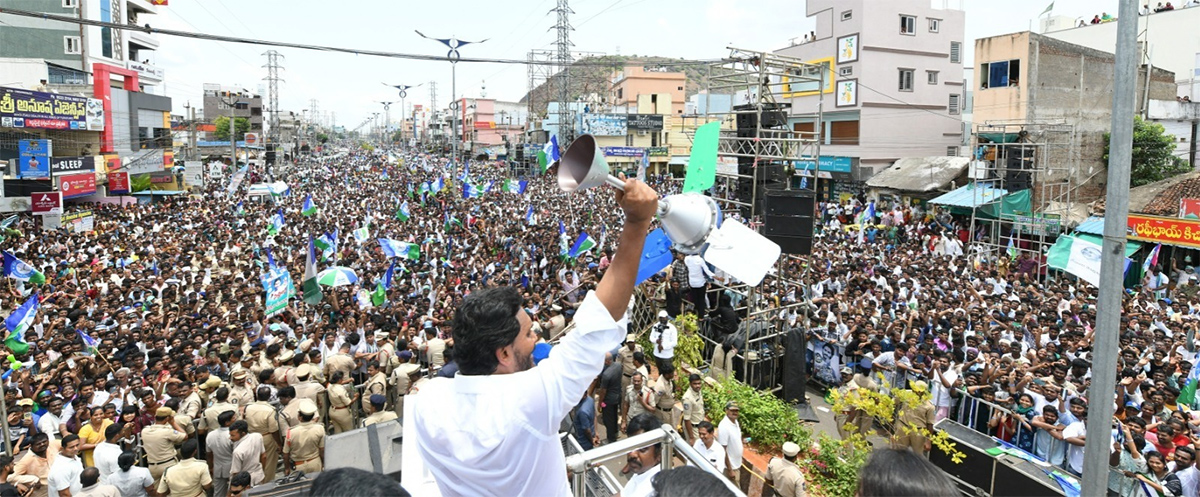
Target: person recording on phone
{"type": "Point", "coordinates": [492, 429]}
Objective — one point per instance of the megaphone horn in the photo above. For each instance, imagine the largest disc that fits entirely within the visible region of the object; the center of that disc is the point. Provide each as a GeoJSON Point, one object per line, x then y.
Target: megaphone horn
{"type": "Point", "coordinates": [583, 166]}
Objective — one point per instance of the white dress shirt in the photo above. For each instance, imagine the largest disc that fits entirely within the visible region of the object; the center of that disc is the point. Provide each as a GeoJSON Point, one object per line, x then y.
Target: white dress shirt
{"type": "Point", "coordinates": [670, 338]}
{"type": "Point", "coordinates": [132, 483]}
{"type": "Point", "coordinates": [698, 272]}
{"type": "Point", "coordinates": [64, 474]}
{"type": "Point", "coordinates": [729, 435]}
{"type": "Point", "coordinates": [498, 434]}
{"type": "Point", "coordinates": [714, 454]}
{"type": "Point", "coordinates": [105, 456]}
{"type": "Point", "coordinates": [641, 485]}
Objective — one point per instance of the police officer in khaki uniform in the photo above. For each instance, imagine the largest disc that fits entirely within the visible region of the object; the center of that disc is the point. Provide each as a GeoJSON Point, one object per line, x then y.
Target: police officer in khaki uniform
{"type": "Point", "coordinates": [241, 392]}
{"type": "Point", "coordinates": [664, 394]}
{"type": "Point", "coordinates": [306, 386]}
{"type": "Point", "coordinates": [378, 413]}
{"type": "Point", "coordinates": [911, 418]}
{"type": "Point", "coordinates": [784, 475]}
{"type": "Point", "coordinates": [188, 478]}
{"type": "Point", "coordinates": [261, 418]}
{"type": "Point", "coordinates": [220, 404]}
{"type": "Point", "coordinates": [340, 399]}
{"type": "Point", "coordinates": [625, 357]}
{"type": "Point", "coordinates": [191, 404]}
{"type": "Point", "coordinates": [636, 396]}
{"type": "Point", "coordinates": [400, 377]}
{"type": "Point", "coordinates": [342, 361]}
{"type": "Point", "coordinates": [159, 439]}
{"type": "Point", "coordinates": [693, 408]}
{"type": "Point", "coordinates": [376, 381]}
{"type": "Point", "coordinates": [305, 443]}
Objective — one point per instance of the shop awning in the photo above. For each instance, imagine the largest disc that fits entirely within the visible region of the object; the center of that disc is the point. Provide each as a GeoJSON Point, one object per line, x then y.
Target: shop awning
{"type": "Point", "coordinates": [1093, 226]}
{"type": "Point", "coordinates": [1000, 137]}
{"type": "Point", "coordinates": [971, 196]}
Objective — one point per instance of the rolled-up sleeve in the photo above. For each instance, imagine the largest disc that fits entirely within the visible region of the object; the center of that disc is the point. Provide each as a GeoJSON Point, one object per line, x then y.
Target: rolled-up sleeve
{"type": "Point", "coordinates": [575, 362]}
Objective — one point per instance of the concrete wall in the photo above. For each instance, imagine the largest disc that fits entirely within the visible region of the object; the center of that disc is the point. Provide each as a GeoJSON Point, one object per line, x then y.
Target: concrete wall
{"type": "Point", "coordinates": [1173, 40]}
{"type": "Point", "coordinates": [26, 37]}
{"type": "Point", "coordinates": [634, 80]}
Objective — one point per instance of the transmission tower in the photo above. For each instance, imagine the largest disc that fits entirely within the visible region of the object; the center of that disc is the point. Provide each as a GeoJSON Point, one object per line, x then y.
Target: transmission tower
{"type": "Point", "coordinates": [314, 111]}
{"type": "Point", "coordinates": [563, 57]}
{"type": "Point", "coordinates": [273, 80]}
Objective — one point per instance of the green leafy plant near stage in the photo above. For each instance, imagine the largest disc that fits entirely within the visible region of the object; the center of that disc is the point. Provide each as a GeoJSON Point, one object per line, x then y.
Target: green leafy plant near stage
{"type": "Point", "coordinates": [766, 420]}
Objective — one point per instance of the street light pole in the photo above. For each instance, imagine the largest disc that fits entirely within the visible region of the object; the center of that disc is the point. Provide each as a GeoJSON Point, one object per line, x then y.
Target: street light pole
{"type": "Point", "coordinates": [232, 130]}
{"type": "Point", "coordinates": [453, 56]}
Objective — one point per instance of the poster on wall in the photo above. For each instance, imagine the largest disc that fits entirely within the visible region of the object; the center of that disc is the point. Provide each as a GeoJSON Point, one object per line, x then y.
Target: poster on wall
{"type": "Point", "coordinates": [604, 124]}
{"type": "Point", "coordinates": [118, 183]}
{"type": "Point", "coordinates": [847, 49]}
{"type": "Point", "coordinates": [34, 159]}
{"type": "Point", "coordinates": [79, 222]}
{"type": "Point", "coordinates": [1189, 208]}
{"type": "Point", "coordinates": [847, 93]}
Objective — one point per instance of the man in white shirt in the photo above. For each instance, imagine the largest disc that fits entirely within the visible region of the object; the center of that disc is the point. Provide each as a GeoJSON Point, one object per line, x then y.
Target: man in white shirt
{"type": "Point", "coordinates": [247, 452]}
{"type": "Point", "coordinates": [63, 477]}
{"type": "Point", "coordinates": [106, 453]}
{"type": "Point", "coordinates": [663, 338]}
{"type": "Point", "coordinates": [708, 447]}
{"type": "Point", "coordinates": [50, 422]}
{"type": "Point", "coordinates": [729, 435]}
{"type": "Point", "coordinates": [642, 464]}
{"type": "Point", "coordinates": [698, 275]}
{"type": "Point", "coordinates": [492, 429]}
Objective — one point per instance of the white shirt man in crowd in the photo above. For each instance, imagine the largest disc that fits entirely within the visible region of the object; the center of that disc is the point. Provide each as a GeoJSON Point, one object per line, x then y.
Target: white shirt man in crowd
{"type": "Point", "coordinates": [472, 432]}
{"type": "Point", "coordinates": [708, 447]}
{"type": "Point", "coordinates": [663, 338]}
{"type": "Point", "coordinates": [64, 471]}
{"type": "Point", "coordinates": [729, 435]}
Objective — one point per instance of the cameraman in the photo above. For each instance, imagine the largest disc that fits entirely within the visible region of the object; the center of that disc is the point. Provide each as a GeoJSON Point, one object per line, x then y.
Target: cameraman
{"type": "Point", "coordinates": [664, 337]}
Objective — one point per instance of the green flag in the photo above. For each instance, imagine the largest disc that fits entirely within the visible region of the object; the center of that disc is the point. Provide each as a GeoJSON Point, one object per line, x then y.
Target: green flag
{"type": "Point", "coordinates": [378, 297]}
{"type": "Point", "coordinates": [1048, 9]}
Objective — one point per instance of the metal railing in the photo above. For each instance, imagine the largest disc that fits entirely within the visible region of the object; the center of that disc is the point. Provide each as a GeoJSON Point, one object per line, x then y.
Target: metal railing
{"type": "Point", "coordinates": [672, 443]}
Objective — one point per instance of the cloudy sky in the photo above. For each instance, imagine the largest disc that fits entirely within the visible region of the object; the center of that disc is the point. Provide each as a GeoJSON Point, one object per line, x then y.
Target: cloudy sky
{"type": "Point", "coordinates": [350, 85]}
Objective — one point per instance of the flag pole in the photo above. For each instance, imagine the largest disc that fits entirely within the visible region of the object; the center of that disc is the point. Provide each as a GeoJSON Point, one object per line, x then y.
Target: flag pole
{"type": "Point", "coordinates": [4, 416]}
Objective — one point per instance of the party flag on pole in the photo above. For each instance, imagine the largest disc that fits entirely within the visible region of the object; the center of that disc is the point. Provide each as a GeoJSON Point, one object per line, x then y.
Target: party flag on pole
{"type": "Point", "coordinates": [309, 207]}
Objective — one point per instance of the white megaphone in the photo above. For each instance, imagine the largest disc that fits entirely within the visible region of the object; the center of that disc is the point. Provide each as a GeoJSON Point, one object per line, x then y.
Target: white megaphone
{"type": "Point", "coordinates": [687, 218]}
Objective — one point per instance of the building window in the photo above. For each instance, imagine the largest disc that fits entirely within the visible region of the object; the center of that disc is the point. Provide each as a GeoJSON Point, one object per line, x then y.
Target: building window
{"type": "Point", "coordinates": [908, 25]}
{"type": "Point", "coordinates": [628, 140]}
{"type": "Point", "coordinates": [951, 151]}
{"type": "Point", "coordinates": [847, 15]}
{"type": "Point", "coordinates": [106, 48]}
{"type": "Point", "coordinates": [846, 71]}
{"type": "Point", "coordinates": [71, 45]}
{"type": "Point", "coordinates": [70, 4]}
{"type": "Point", "coordinates": [931, 77]}
{"type": "Point", "coordinates": [620, 93]}
{"type": "Point", "coordinates": [906, 80]}
{"type": "Point", "coordinates": [955, 52]}
{"type": "Point", "coordinates": [954, 104]}
{"type": "Point", "coordinates": [680, 88]}
{"type": "Point", "coordinates": [1000, 74]}
{"type": "Point", "coordinates": [935, 25]}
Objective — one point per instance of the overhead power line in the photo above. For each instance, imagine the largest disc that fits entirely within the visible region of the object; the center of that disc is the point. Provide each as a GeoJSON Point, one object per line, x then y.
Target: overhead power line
{"type": "Point", "coordinates": [300, 46]}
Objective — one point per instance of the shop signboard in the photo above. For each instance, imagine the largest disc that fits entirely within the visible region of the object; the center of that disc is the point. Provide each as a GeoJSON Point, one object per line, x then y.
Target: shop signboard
{"type": "Point", "coordinates": [34, 109]}
{"type": "Point", "coordinates": [77, 185]}
{"type": "Point", "coordinates": [1165, 230]}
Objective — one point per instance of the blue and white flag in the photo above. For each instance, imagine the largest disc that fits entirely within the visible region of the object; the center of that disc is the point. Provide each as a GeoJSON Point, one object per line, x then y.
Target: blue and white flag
{"type": "Point", "coordinates": [387, 276]}
{"type": "Point", "coordinates": [395, 248]}
{"type": "Point", "coordinates": [19, 321]}
{"type": "Point", "coordinates": [18, 269]}
{"type": "Point", "coordinates": [361, 235]}
{"type": "Point", "coordinates": [582, 244]}
{"type": "Point", "coordinates": [470, 191]}
{"type": "Point", "coordinates": [529, 215]}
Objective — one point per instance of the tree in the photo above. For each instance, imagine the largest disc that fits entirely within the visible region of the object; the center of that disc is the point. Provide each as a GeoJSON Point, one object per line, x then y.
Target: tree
{"type": "Point", "coordinates": [1154, 156]}
{"type": "Point", "coordinates": [322, 137]}
{"type": "Point", "coordinates": [222, 125]}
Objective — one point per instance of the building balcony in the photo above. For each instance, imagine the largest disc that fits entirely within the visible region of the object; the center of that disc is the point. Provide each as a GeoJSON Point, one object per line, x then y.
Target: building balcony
{"type": "Point", "coordinates": [141, 40]}
{"type": "Point", "coordinates": [141, 6]}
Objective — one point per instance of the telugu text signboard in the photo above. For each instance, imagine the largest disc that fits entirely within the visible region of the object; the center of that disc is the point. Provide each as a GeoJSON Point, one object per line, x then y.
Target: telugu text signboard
{"type": "Point", "coordinates": [1168, 230]}
{"type": "Point", "coordinates": [644, 122]}
{"type": "Point", "coordinates": [604, 124]}
{"type": "Point", "coordinates": [42, 203]}
{"type": "Point", "coordinates": [623, 151]}
{"type": "Point", "coordinates": [77, 185]}
{"type": "Point", "coordinates": [34, 109]}
{"type": "Point", "coordinates": [118, 183]}
{"type": "Point", "coordinates": [79, 222]}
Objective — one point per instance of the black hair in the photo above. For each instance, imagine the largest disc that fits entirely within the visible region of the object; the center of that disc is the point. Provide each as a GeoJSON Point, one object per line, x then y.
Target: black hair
{"type": "Point", "coordinates": [188, 449]}
{"type": "Point", "coordinates": [902, 473]}
{"type": "Point", "coordinates": [242, 479]}
{"type": "Point", "coordinates": [264, 393]}
{"type": "Point", "coordinates": [89, 476]}
{"type": "Point", "coordinates": [689, 481]}
{"type": "Point", "coordinates": [240, 425]}
{"type": "Point", "coordinates": [350, 482]}
{"type": "Point", "coordinates": [222, 394]}
{"type": "Point", "coordinates": [486, 321]}
{"type": "Point", "coordinates": [706, 425]}
{"type": "Point", "coordinates": [112, 432]}
{"type": "Point", "coordinates": [288, 391]}
{"type": "Point", "coordinates": [71, 437]}
{"type": "Point", "coordinates": [226, 418]}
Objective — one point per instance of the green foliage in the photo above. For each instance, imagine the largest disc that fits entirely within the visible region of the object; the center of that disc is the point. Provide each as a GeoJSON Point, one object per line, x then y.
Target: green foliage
{"type": "Point", "coordinates": [140, 182]}
{"type": "Point", "coordinates": [1153, 154]}
{"type": "Point", "coordinates": [766, 419]}
{"type": "Point", "coordinates": [366, 146]}
{"type": "Point", "coordinates": [833, 464]}
{"type": "Point", "coordinates": [222, 125]}
{"type": "Point", "coordinates": [322, 137]}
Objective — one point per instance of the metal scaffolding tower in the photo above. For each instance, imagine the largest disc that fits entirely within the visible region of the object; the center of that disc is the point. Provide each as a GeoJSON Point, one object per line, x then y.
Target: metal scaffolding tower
{"type": "Point", "coordinates": [1008, 157]}
{"type": "Point", "coordinates": [756, 145]}
{"type": "Point", "coordinates": [314, 111]}
{"type": "Point", "coordinates": [540, 72]}
{"type": "Point", "coordinates": [273, 80]}
{"type": "Point", "coordinates": [563, 57]}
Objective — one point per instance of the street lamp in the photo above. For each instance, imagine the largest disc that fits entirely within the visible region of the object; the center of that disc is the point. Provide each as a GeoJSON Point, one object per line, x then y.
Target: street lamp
{"type": "Point", "coordinates": [453, 56]}
{"type": "Point", "coordinates": [387, 120]}
{"type": "Point", "coordinates": [403, 93]}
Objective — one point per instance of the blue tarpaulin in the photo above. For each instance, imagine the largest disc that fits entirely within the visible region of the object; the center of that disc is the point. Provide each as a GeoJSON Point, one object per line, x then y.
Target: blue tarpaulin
{"type": "Point", "coordinates": [971, 196]}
